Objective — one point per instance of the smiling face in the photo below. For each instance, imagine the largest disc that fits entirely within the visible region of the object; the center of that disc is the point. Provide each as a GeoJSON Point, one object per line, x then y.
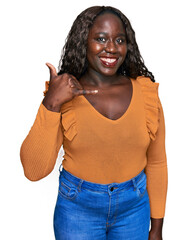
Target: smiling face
{"type": "Point", "coordinates": [107, 48]}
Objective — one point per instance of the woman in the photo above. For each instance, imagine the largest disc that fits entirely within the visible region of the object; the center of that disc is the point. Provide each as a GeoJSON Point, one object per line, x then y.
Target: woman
{"type": "Point", "coordinates": [103, 107]}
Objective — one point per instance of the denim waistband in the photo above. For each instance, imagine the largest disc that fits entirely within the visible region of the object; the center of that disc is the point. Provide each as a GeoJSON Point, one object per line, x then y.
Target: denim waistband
{"type": "Point", "coordinates": [101, 187]}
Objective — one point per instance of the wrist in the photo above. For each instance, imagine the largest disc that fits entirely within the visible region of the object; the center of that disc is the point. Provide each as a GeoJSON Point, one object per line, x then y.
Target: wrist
{"type": "Point", "coordinates": [157, 223]}
{"type": "Point", "coordinates": [50, 106]}
{"type": "Point", "coordinates": [156, 231]}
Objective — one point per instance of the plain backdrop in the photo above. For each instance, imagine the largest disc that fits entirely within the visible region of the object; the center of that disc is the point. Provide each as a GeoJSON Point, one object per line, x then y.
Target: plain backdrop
{"type": "Point", "coordinates": [33, 33]}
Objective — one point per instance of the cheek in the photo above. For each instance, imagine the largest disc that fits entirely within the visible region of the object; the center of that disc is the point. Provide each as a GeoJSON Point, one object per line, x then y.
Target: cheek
{"type": "Point", "coordinates": [94, 49]}
{"type": "Point", "coordinates": [98, 48]}
{"type": "Point", "coordinates": [123, 51]}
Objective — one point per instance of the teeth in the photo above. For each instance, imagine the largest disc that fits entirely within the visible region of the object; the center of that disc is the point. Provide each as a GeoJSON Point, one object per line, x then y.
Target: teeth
{"type": "Point", "coordinates": [109, 60]}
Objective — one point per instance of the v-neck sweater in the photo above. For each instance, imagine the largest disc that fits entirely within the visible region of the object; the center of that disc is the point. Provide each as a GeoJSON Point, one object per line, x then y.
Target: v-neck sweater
{"type": "Point", "coordinates": [101, 150]}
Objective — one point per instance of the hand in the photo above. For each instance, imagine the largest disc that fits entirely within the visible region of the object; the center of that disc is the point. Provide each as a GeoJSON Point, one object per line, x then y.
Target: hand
{"type": "Point", "coordinates": [154, 235]}
{"type": "Point", "coordinates": [62, 88]}
{"type": "Point", "coordinates": [156, 229]}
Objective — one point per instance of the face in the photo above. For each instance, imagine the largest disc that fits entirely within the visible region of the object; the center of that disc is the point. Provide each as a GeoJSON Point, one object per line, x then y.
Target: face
{"type": "Point", "coordinates": [107, 47]}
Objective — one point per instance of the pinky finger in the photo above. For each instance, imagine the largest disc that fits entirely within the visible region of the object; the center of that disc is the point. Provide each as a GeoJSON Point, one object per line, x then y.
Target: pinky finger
{"type": "Point", "coordinates": [83, 92]}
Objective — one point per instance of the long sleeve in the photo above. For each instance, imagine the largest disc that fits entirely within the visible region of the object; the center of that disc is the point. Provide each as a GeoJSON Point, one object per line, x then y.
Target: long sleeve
{"type": "Point", "coordinates": [39, 150]}
{"type": "Point", "coordinates": [157, 171]}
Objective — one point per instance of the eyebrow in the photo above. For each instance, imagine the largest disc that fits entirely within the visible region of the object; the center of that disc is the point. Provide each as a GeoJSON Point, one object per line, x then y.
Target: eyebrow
{"type": "Point", "coordinates": [120, 34]}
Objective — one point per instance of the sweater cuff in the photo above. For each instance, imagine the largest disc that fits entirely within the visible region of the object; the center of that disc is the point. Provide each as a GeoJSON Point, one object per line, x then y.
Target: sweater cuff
{"type": "Point", "coordinates": [46, 118]}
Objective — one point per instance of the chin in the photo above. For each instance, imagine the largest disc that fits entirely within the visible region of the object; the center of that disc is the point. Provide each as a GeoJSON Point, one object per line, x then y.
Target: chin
{"type": "Point", "coordinates": [109, 72]}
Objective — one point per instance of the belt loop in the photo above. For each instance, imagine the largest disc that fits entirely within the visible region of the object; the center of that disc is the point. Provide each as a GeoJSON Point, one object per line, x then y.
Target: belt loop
{"type": "Point", "coordinates": [134, 184]}
{"type": "Point", "coordinates": [79, 184]}
{"type": "Point", "coordinates": [60, 167]}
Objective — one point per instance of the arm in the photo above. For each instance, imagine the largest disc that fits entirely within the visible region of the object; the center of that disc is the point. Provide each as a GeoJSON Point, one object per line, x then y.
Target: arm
{"type": "Point", "coordinates": [157, 175]}
{"type": "Point", "coordinates": [40, 148]}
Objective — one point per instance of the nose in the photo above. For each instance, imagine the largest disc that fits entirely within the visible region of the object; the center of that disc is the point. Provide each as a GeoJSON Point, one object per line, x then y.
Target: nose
{"type": "Point", "coordinates": [111, 47]}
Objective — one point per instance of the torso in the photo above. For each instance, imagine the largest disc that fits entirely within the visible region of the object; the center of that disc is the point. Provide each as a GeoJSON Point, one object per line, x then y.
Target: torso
{"type": "Point", "coordinates": [112, 101]}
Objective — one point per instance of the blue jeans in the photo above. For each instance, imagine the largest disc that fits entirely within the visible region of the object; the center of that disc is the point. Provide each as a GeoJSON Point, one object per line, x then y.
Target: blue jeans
{"type": "Point", "coordinates": [91, 211]}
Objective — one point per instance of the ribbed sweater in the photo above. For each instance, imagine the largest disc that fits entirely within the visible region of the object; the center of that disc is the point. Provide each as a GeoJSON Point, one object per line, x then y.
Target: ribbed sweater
{"type": "Point", "coordinates": [101, 150]}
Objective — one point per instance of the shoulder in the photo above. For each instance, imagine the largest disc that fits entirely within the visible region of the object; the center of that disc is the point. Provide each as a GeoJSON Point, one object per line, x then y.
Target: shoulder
{"type": "Point", "coordinates": [149, 90]}
{"type": "Point", "coordinates": [146, 82]}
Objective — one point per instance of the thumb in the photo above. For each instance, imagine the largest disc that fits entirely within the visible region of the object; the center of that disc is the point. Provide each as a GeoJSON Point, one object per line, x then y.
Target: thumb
{"type": "Point", "coordinates": [52, 69]}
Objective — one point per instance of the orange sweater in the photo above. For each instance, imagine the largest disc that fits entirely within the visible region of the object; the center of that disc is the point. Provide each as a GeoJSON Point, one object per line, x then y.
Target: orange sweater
{"type": "Point", "coordinates": [101, 150]}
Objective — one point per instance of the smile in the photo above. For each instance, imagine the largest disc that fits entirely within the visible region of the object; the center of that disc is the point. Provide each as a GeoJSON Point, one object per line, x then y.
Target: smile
{"type": "Point", "coordinates": [109, 62]}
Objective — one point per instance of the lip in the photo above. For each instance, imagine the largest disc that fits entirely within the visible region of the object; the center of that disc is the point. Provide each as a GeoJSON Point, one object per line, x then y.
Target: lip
{"type": "Point", "coordinates": [107, 64]}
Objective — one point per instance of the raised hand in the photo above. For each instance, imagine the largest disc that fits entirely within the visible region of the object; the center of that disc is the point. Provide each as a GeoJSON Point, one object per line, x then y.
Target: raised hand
{"type": "Point", "coordinates": [62, 88]}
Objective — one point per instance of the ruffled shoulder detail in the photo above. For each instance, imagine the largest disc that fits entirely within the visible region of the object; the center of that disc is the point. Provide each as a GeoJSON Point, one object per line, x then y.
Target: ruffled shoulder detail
{"type": "Point", "coordinates": [69, 120]}
{"type": "Point", "coordinates": [47, 83]}
{"type": "Point", "coordinates": [151, 102]}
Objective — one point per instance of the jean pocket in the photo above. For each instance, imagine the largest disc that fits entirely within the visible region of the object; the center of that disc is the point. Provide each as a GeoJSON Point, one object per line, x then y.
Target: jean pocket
{"type": "Point", "coordinates": [142, 186]}
{"type": "Point", "coordinates": [67, 189]}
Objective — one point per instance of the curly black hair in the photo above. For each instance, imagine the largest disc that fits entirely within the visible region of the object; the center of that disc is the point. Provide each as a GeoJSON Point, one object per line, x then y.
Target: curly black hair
{"type": "Point", "coordinates": [73, 57]}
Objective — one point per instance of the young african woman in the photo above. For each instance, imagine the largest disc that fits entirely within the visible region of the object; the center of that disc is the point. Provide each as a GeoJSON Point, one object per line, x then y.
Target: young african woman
{"type": "Point", "coordinates": [103, 107]}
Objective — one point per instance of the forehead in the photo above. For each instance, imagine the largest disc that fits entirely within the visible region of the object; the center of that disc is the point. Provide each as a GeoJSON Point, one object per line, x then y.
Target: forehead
{"type": "Point", "coordinates": [107, 22]}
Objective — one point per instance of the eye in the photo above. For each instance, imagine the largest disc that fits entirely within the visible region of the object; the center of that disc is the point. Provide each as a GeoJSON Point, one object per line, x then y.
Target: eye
{"type": "Point", "coordinates": [101, 39]}
{"type": "Point", "coordinates": [120, 40]}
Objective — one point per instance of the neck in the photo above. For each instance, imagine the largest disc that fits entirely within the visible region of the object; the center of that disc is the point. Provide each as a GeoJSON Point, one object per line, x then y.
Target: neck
{"type": "Point", "coordinates": [94, 78]}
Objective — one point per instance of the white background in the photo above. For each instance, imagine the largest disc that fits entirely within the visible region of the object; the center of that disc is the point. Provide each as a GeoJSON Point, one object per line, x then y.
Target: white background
{"type": "Point", "coordinates": [33, 33]}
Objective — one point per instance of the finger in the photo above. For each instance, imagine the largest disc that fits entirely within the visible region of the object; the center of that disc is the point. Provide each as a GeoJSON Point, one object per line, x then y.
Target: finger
{"type": "Point", "coordinates": [52, 69]}
{"type": "Point", "coordinates": [76, 82]}
{"type": "Point", "coordinates": [72, 76]}
{"type": "Point", "coordinates": [84, 92]}
{"type": "Point", "coordinates": [71, 83]}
